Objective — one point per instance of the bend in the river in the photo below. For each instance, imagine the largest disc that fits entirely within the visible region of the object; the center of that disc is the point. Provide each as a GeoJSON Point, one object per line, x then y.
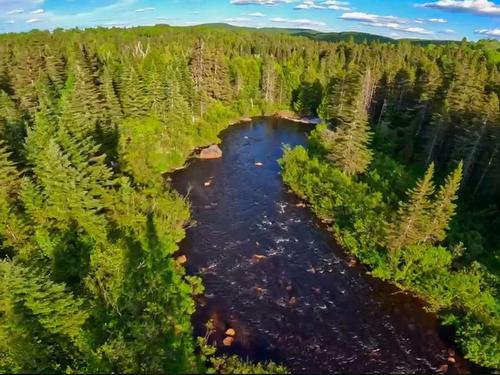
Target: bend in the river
{"type": "Point", "coordinates": [274, 274]}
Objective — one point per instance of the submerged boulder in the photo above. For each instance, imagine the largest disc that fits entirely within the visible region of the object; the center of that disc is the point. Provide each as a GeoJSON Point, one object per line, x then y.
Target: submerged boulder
{"type": "Point", "coordinates": [231, 332]}
{"type": "Point", "coordinates": [211, 152]}
{"type": "Point", "coordinates": [228, 341]}
{"type": "Point", "coordinates": [181, 259]}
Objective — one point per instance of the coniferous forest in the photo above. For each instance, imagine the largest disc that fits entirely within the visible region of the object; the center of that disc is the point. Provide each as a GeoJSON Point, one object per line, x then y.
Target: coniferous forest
{"type": "Point", "coordinates": [405, 168]}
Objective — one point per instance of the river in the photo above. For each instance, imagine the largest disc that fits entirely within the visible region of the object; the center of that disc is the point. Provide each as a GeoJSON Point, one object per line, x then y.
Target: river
{"type": "Point", "coordinates": [274, 273]}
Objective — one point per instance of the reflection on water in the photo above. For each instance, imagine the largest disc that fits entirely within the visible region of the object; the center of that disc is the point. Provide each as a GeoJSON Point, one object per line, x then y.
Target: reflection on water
{"type": "Point", "coordinates": [274, 274]}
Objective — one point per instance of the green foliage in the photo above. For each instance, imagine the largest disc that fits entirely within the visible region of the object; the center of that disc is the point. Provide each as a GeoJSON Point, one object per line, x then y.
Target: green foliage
{"type": "Point", "coordinates": [149, 148]}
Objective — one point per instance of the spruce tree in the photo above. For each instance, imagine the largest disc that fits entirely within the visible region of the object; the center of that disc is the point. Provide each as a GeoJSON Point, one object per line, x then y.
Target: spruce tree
{"type": "Point", "coordinates": [12, 230]}
{"type": "Point", "coordinates": [444, 206]}
{"type": "Point", "coordinates": [41, 323]}
{"type": "Point", "coordinates": [348, 143]}
{"type": "Point", "coordinates": [12, 124]}
{"type": "Point", "coordinates": [410, 224]}
{"type": "Point", "coordinates": [133, 94]}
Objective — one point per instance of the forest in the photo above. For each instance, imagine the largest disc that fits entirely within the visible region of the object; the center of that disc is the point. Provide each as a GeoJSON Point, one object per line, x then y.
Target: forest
{"type": "Point", "coordinates": [405, 169]}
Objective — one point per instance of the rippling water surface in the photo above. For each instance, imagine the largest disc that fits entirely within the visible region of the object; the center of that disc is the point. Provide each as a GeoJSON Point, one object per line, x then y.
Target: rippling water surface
{"type": "Point", "coordinates": [274, 274]}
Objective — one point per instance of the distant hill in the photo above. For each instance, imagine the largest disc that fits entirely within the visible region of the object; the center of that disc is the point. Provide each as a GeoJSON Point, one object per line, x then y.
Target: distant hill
{"type": "Point", "coordinates": [348, 35]}
{"type": "Point", "coordinates": [357, 37]}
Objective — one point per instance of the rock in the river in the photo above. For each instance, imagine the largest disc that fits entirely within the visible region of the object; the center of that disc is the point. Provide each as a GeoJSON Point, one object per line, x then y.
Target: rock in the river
{"type": "Point", "coordinates": [207, 183]}
{"type": "Point", "coordinates": [443, 369]}
{"type": "Point", "coordinates": [228, 341]}
{"type": "Point", "coordinates": [300, 205]}
{"type": "Point", "coordinates": [181, 260]}
{"type": "Point", "coordinates": [451, 359]}
{"type": "Point", "coordinates": [211, 152]}
{"type": "Point", "coordinates": [230, 332]}
{"type": "Point", "coordinates": [259, 164]}
{"type": "Point", "coordinates": [258, 258]}
{"type": "Point", "coordinates": [259, 290]}
{"type": "Point", "coordinates": [351, 262]}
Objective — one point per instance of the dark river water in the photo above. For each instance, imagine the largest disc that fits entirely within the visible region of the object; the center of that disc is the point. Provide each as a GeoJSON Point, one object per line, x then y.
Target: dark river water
{"type": "Point", "coordinates": [274, 273]}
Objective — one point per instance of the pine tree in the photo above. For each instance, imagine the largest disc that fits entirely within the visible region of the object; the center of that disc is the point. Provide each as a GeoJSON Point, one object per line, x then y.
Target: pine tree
{"type": "Point", "coordinates": [435, 133]}
{"type": "Point", "coordinates": [210, 74]}
{"type": "Point", "coordinates": [490, 146]}
{"type": "Point", "coordinates": [113, 111]}
{"type": "Point", "coordinates": [308, 98]}
{"type": "Point", "coordinates": [133, 94]}
{"type": "Point", "coordinates": [335, 99]}
{"type": "Point", "coordinates": [269, 80]}
{"type": "Point", "coordinates": [107, 131]}
{"type": "Point", "coordinates": [82, 102]}
{"type": "Point", "coordinates": [12, 124]}
{"type": "Point", "coordinates": [348, 143]}
{"type": "Point", "coordinates": [55, 65]}
{"type": "Point", "coordinates": [71, 183]}
{"type": "Point", "coordinates": [47, 98]}
{"type": "Point", "coordinates": [471, 141]}
{"type": "Point", "coordinates": [41, 323]}
{"type": "Point", "coordinates": [25, 73]}
{"type": "Point", "coordinates": [443, 208]}
{"type": "Point", "coordinates": [410, 225]}
{"type": "Point", "coordinates": [12, 231]}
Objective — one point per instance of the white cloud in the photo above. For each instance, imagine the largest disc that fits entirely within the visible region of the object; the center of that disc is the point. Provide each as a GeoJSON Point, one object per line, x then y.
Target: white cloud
{"type": "Point", "coordinates": [385, 22]}
{"type": "Point", "coordinates": [142, 10]}
{"type": "Point", "coordinates": [309, 4]}
{"type": "Point", "coordinates": [237, 20]}
{"type": "Point", "coordinates": [15, 7]}
{"type": "Point", "coordinates": [437, 20]}
{"type": "Point", "coordinates": [447, 31]}
{"type": "Point", "coordinates": [49, 19]}
{"type": "Point", "coordinates": [299, 23]}
{"type": "Point", "coordinates": [328, 4]}
{"type": "Point", "coordinates": [481, 7]}
{"type": "Point", "coordinates": [366, 17]}
{"type": "Point", "coordinates": [260, 2]}
{"type": "Point", "coordinates": [415, 30]}
{"type": "Point", "coordinates": [421, 21]}
{"type": "Point", "coordinates": [37, 11]}
{"type": "Point", "coordinates": [256, 14]}
{"type": "Point", "coordinates": [15, 11]}
{"type": "Point", "coordinates": [493, 33]}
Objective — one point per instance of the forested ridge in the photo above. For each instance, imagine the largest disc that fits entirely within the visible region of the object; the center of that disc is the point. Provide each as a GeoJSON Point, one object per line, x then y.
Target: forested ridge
{"type": "Point", "coordinates": [90, 120]}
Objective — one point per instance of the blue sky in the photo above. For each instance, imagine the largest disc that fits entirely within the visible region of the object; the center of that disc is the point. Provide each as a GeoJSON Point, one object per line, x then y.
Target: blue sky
{"type": "Point", "coordinates": [432, 19]}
